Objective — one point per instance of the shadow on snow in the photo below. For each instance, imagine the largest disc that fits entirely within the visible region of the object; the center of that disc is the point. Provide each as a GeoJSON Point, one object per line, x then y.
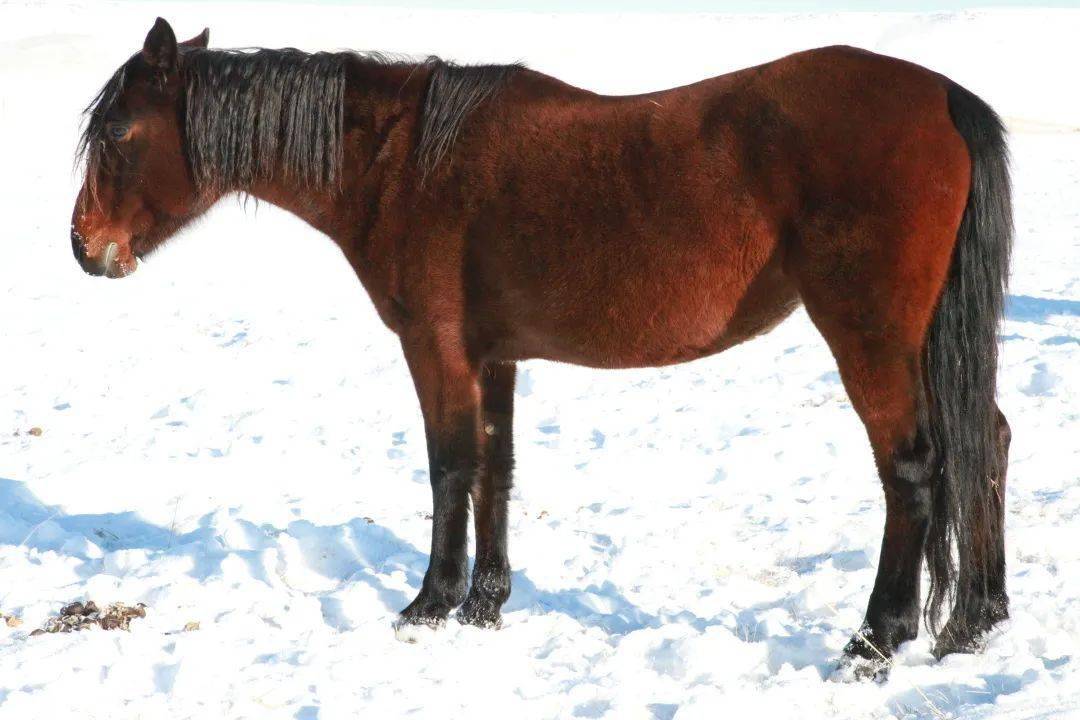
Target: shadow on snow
{"type": "Point", "coordinates": [1026, 308]}
{"type": "Point", "coordinates": [358, 551]}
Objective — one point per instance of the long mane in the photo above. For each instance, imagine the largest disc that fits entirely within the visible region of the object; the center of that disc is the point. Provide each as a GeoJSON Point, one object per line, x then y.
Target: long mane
{"type": "Point", "coordinates": [453, 92]}
{"type": "Point", "coordinates": [250, 113]}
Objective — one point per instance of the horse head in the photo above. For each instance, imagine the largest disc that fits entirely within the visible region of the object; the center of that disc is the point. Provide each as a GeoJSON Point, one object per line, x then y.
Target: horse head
{"type": "Point", "coordinates": [139, 188]}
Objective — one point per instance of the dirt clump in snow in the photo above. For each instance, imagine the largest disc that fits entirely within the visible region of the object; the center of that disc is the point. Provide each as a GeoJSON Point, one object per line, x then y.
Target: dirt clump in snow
{"type": "Point", "coordinates": [83, 616]}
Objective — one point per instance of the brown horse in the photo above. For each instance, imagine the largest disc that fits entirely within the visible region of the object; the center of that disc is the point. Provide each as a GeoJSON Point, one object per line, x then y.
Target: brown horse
{"type": "Point", "coordinates": [496, 214]}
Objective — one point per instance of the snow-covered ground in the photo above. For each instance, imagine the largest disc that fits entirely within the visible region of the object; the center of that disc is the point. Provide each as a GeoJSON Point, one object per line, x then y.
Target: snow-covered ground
{"type": "Point", "coordinates": [231, 437]}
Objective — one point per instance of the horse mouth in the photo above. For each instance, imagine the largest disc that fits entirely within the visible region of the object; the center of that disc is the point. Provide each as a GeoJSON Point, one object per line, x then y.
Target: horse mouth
{"type": "Point", "coordinates": [114, 265]}
{"type": "Point", "coordinates": [109, 263]}
{"type": "Point", "coordinates": [110, 255]}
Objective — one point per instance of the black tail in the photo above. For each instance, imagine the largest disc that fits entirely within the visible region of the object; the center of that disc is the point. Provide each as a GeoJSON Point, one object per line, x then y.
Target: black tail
{"type": "Point", "coordinates": [961, 358]}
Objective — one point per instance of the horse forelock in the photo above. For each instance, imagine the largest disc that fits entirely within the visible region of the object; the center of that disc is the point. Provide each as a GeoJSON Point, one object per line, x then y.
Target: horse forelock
{"type": "Point", "coordinates": [91, 147]}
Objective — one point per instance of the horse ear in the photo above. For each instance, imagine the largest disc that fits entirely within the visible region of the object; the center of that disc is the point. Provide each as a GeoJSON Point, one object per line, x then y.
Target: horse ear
{"type": "Point", "coordinates": [202, 40]}
{"type": "Point", "coordinates": [159, 50]}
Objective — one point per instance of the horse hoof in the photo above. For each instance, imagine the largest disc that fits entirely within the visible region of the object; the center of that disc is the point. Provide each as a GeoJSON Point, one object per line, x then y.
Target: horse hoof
{"type": "Point", "coordinates": [421, 619]}
{"type": "Point", "coordinates": [479, 613]}
{"type": "Point", "coordinates": [413, 630]}
{"type": "Point", "coordinates": [949, 644]}
{"type": "Point", "coordinates": [854, 668]}
{"type": "Point", "coordinates": [970, 636]}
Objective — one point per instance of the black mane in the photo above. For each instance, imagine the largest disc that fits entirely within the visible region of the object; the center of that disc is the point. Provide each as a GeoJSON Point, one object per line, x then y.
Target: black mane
{"type": "Point", "coordinates": [249, 112]}
{"type": "Point", "coordinates": [453, 92]}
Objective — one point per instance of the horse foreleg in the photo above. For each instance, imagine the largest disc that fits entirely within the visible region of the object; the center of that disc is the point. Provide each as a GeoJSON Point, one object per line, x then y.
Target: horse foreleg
{"type": "Point", "coordinates": [490, 492]}
{"type": "Point", "coordinates": [448, 388]}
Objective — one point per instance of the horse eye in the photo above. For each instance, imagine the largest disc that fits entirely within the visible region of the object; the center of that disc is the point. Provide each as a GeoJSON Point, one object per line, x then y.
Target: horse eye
{"type": "Point", "coordinates": [118, 131]}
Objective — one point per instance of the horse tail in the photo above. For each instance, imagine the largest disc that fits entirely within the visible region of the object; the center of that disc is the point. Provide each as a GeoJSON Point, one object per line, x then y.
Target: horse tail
{"type": "Point", "coordinates": [963, 549]}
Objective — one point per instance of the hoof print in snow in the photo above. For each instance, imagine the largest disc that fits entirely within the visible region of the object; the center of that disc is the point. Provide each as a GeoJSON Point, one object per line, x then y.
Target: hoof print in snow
{"type": "Point", "coordinates": [84, 616]}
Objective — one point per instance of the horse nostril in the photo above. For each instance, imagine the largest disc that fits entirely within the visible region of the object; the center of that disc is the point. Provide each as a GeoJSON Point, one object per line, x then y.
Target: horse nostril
{"type": "Point", "coordinates": [78, 246]}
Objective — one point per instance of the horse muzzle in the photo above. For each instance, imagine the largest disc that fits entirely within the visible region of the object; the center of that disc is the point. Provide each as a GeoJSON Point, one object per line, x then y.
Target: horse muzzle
{"type": "Point", "coordinates": [108, 263]}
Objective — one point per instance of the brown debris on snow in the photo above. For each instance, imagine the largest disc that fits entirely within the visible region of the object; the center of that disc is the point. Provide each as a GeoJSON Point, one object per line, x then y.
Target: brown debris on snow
{"type": "Point", "coordinates": [83, 616]}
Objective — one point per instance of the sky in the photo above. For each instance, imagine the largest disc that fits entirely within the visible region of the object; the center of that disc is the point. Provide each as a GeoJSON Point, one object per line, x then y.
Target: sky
{"type": "Point", "coordinates": [720, 6]}
{"type": "Point", "coordinates": [714, 6]}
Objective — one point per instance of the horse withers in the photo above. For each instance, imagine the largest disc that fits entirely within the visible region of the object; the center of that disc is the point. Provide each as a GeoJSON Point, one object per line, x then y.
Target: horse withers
{"type": "Point", "coordinates": [496, 214]}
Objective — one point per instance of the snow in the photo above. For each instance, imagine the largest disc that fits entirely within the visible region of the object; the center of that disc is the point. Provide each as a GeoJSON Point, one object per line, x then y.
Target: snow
{"type": "Point", "coordinates": [231, 437]}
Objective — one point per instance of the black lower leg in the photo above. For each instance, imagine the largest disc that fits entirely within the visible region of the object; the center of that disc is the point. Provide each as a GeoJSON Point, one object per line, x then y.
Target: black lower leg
{"type": "Point", "coordinates": [490, 493]}
{"type": "Point", "coordinates": [893, 613]}
{"type": "Point", "coordinates": [452, 458]}
{"type": "Point", "coordinates": [999, 599]}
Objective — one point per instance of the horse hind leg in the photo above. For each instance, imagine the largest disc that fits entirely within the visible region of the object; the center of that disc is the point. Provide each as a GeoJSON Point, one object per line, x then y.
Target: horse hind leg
{"type": "Point", "coordinates": [881, 333]}
{"type": "Point", "coordinates": [986, 599]}
{"type": "Point", "coordinates": [996, 583]}
{"type": "Point", "coordinates": [874, 313]}
{"type": "Point", "coordinates": [884, 381]}
{"type": "Point", "coordinates": [998, 598]}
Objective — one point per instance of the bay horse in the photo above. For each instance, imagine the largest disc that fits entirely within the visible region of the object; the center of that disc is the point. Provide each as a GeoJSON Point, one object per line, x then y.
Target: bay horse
{"type": "Point", "coordinates": [496, 214]}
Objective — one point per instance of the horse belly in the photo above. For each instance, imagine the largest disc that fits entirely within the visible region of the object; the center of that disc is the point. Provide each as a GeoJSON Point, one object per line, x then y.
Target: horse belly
{"type": "Point", "coordinates": [650, 302]}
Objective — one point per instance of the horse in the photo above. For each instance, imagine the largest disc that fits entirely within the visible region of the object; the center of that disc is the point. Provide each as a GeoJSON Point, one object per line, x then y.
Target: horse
{"type": "Point", "coordinates": [496, 214]}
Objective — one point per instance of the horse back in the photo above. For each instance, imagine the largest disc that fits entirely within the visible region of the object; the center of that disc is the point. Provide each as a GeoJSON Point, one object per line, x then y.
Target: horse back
{"type": "Point", "coordinates": [650, 229]}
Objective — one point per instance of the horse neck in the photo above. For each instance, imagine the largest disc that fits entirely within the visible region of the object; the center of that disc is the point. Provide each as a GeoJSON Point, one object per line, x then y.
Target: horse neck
{"type": "Point", "coordinates": [382, 103]}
